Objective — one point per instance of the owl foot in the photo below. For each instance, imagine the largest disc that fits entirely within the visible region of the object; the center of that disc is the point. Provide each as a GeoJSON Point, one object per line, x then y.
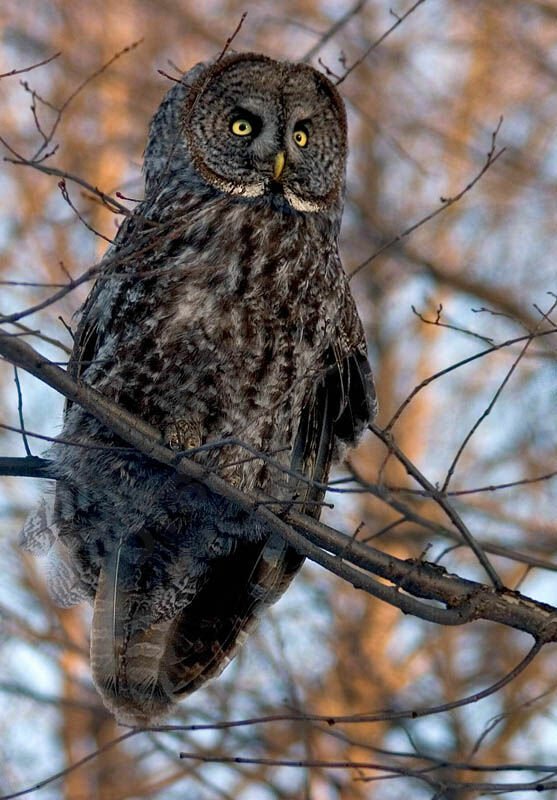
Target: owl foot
{"type": "Point", "coordinates": [183, 434]}
{"type": "Point", "coordinates": [233, 477]}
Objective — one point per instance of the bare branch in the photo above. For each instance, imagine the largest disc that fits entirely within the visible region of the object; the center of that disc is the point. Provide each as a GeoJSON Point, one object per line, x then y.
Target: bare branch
{"type": "Point", "coordinates": [441, 500]}
{"type": "Point", "coordinates": [498, 486]}
{"type": "Point", "coordinates": [48, 137]}
{"type": "Point", "coordinates": [271, 718]}
{"type": "Point", "coordinates": [459, 329]}
{"type": "Point", "coordinates": [63, 188]}
{"type": "Point", "coordinates": [464, 600]}
{"type": "Point", "coordinates": [68, 770]}
{"type": "Point", "coordinates": [33, 66]}
{"type": "Point", "coordinates": [382, 38]}
{"type": "Point", "coordinates": [491, 405]}
{"type": "Point", "coordinates": [20, 412]}
{"type": "Point", "coordinates": [30, 467]}
{"type": "Point", "coordinates": [232, 37]}
{"type": "Point", "coordinates": [406, 402]}
{"type": "Point", "coordinates": [333, 30]}
{"type": "Point", "coordinates": [446, 202]}
{"type": "Point", "coordinates": [112, 204]}
{"type": "Point", "coordinates": [42, 336]}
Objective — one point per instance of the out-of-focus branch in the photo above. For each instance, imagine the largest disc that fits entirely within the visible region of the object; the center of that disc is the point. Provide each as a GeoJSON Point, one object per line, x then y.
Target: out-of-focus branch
{"type": "Point", "coordinates": [377, 42]}
{"type": "Point", "coordinates": [62, 773]}
{"type": "Point", "coordinates": [333, 30]}
{"type": "Point", "coordinates": [53, 700]}
{"type": "Point", "coordinates": [120, 258]}
{"type": "Point", "coordinates": [497, 297]}
{"type": "Point", "coordinates": [378, 716]}
{"type": "Point", "coordinates": [47, 138]}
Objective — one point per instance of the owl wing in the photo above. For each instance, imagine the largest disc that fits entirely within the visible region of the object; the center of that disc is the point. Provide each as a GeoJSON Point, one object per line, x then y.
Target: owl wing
{"type": "Point", "coordinates": [342, 405]}
{"type": "Point", "coordinates": [88, 336]}
{"type": "Point", "coordinates": [217, 622]}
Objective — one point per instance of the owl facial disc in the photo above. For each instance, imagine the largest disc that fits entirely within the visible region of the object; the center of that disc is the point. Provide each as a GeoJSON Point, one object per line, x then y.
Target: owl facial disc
{"type": "Point", "coordinates": [257, 127]}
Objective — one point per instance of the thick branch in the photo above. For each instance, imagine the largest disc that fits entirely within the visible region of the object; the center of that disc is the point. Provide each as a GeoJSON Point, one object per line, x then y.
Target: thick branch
{"type": "Point", "coordinates": [420, 581]}
{"type": "Point", "coordinates": [29, 467]}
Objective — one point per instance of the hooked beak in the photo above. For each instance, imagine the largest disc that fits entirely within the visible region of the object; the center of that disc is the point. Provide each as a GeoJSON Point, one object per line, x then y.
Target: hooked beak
{"type": "Point", "coordinates": [278, 166]}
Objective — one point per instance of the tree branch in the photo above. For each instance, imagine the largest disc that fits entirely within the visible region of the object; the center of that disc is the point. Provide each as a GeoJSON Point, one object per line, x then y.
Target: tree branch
{"type": "Point", "coordinates": [29, 467]}
{"type": "Point", "coordinates": [414, 581]}
{"type": "Point", "coordinates": [446, 202]}
{"type": "Point", "coordinates": [333, 30]}
{"type": "Point", "coordinates": [33, 66]}
{"type": "Point", "coordinates": [399, 21]}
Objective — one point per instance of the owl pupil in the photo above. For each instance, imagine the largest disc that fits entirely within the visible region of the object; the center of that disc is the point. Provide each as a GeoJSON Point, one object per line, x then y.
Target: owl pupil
{"type": "Point", "coordinates": [301, 138]}
{"type": "Point", "coordinates": [242, 127]}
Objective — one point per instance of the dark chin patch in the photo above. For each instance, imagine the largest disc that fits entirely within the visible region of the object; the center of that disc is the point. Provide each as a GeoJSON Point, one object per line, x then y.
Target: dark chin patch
{"type": "Point", "coordinates": [279, 202]}
{"type": "Point", "coordinates": [275, 187]}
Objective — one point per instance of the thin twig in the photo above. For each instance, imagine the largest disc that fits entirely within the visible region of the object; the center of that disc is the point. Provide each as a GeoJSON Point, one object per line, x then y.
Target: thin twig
{"type": "Point", "coordinates": [66, 196]}
{"type": "Point", "coordinates": [170, 77]}
{"type": "Point", "coordinates": [33, 66]}
{"type": "Point", "coordinates": [68, 442]}
{"type": "Point", "coordinates": [232, 37]}
{"type": "Point", "coordinates": [48, 339]}
{"type": "Point", "coordinates": [457, 365]}
{"type": "Point", "coordinates": [446, 202]}
{"type": "Point", "coordinates": [377, 42]}
{"type": "Point", "coordinates": [442, 501]}
{"type": "Point", "coordinates": [20, 413]}
{"type": "Point", "coordinates": [384, 529]}
{"type": "Point", "coordinates": [78, 91]}
{"type": "Point", "coordinates": [438, 324]}
{"type": "Point", "coordinates": [112, 204]}
{"type": "Point", "coordinates": [492, 403]}
{"type": "Point", "coordinates": [333, 30]}
{"type": "Point", "coordinates": [494, 487]}
{"type": "Point", "coordinates": [312, 763]}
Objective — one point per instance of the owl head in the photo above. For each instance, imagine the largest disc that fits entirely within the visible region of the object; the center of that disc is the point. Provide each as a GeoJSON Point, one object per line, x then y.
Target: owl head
{"type": "Point", "coordinates": [254, 127]}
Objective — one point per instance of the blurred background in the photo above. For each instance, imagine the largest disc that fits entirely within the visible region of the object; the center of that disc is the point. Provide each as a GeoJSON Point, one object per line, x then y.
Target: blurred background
{"type": "Point", "coordinates": [422, 109]}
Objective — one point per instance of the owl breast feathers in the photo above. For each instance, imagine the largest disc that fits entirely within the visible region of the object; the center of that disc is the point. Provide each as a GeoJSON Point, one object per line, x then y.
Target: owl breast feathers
{"type": "Point", "coordinates": [223, 312]}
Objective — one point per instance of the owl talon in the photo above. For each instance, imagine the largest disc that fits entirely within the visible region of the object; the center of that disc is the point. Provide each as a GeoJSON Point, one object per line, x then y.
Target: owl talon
{"type": "Point", "coordinates": [182, 435]}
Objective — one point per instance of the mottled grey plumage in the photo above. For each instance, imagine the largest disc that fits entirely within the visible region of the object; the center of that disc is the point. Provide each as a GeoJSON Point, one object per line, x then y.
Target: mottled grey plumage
{"type": "Point", "coordinates": [224, 311]}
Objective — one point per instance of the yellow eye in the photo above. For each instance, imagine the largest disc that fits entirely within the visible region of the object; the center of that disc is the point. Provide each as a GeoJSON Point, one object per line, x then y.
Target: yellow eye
{"type": "Point", "coordinates": [301, 138]}
{"type": "Point", "coordinates": [241, 127]}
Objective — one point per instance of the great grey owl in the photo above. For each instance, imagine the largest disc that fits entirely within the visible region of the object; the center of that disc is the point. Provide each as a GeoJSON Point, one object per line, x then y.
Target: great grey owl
{"type": "Point", "coordinates": [222, 311]}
